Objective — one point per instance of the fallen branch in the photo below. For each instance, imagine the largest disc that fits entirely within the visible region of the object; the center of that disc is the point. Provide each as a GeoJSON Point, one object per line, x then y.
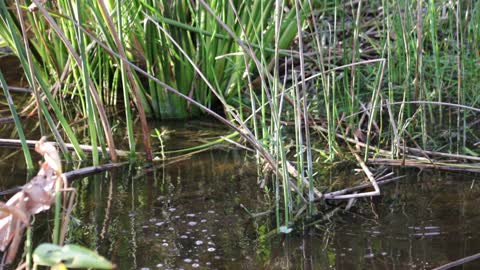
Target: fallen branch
{"type": "Point", "coordinates": [425, 164]}
{"type": "Point", "coordinates": [441, 154]}
{"type": "Point", "coordinates": [334, 195]}
{"type": "Point", "coordinates": [370, 177]}
{"type": "Point", "coordinates": [72, 175]}
{"type": "Point", "coordinates": [82, 172]}
{"type": "Point", "coordinates": [31, 144]}
{"type": "Point", "coordinates": [458, 262]}
{"type": "Point", "coordinates": [18, 89]}
{"type": "Point", "coordinates": [382, 152]}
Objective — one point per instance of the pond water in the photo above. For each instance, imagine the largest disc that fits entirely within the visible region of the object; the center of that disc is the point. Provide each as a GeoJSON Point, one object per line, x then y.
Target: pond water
{"type": "Point", "coordinates": [190, 214]}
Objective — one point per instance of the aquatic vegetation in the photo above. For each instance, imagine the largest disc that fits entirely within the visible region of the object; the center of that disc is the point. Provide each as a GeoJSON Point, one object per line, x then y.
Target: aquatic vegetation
{"type": "Point", "coordinates": [69, 256]}
{"type": "Point", "coordinates": [301, 83]}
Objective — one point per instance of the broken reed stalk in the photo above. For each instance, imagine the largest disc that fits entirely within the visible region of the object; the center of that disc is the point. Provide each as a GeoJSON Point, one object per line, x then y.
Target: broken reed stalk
{"type": "Point", "coordinates": [334, 194]}
{"type": "Point", "coordinates": [425, 164]}
{"type": "Point", "coordinates": [458, 262]}
{"type": "Point", "coordinates": [405, 154]}
{"type": "Point", "coordinates": [370, 177]}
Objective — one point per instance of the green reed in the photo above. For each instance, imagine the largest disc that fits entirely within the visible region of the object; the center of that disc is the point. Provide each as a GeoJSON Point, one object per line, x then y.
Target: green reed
{"type": "Point", "coordinates": [18, 123]}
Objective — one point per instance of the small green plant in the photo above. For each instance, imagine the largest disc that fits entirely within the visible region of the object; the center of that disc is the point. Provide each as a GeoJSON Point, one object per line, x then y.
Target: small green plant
{"type": "Point", "coordinates": [68, 256]}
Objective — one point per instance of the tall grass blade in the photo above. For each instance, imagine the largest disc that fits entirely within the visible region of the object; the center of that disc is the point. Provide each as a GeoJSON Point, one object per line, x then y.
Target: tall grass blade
{"type": "Point", "coordinates": [18, 123]}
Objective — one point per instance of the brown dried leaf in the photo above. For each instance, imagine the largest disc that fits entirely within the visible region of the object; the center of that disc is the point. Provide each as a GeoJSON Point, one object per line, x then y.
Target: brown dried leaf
{"type": "Point", "coordinates": [50, 154]}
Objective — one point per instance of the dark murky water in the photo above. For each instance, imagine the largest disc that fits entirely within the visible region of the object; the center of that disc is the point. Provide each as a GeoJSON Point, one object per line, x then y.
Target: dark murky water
{"type": "Point", "coordinates": [186, 215]}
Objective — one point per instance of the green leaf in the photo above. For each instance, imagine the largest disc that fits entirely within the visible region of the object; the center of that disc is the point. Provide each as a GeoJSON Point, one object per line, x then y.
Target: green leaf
{"type": "Point", "coordinates": [73, 256]}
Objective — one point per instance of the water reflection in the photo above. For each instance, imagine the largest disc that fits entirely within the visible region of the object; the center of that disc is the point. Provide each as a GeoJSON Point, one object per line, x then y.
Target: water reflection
{"type": "Point", "coordinates": [424, 222]}
{"type": "Point", "coordinates": [187, 215]}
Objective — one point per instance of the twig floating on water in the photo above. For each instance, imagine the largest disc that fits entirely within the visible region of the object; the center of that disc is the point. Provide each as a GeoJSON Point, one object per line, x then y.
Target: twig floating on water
{"type": "Point", "coordinates": [31, 143]}
{"type": "Point", "coordinates": [458, 262]}
{"type": "Point", "coordinates": [92, 170]}
{"type": "Point", "coordinates": [332, 195]}
{"type": "Point", "coordinates": [423, 164]}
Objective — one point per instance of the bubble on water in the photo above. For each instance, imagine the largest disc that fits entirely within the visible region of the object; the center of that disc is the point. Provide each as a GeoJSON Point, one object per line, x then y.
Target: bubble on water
{"type": "Point", "coordinates": [188, 232]}
{"type": "Point", "coordinates": [145, 268]}
{"type": "Point", "coordinates": [211, 243]}
{"type": "Point", "coordinates": [192, 223]}
{"type": "Point", "coordinates": [195, 265]}
{"type": "Point", "coordinates": [171, 229]}
{"type": "Point", "coordinates": [152, 220]}
{"type": "Point", "coordinates": [199, 242]}
{"type": "Point", "coordinates": [157, 234]}
{"type": "Point", "coordinates": [211, 249]}
{"type": "Point", "coordinates": [203, 220]}
{"type": "Point", "coordinates": [159, 265]}
{"type": "Point", "coordinates": [369, 255]}
{"type": "Point", "coordinates": [172, 209]}
{"type": "Point", "coordinates": [208, 263]}
{"type": "Point", "coordinates": [191, 215]}
{"type": "Point", "coordinates": [211, 212]}
{"type": "Point", "coordinates": [187, 260]}
{"type": "Point", "coordinates": [217, 257]}
{"type": "Point", "coordinates": [204, 230]}
{"type": "Point", "coordinates": [176, 217]}
{"type": "Point", "coordinates": [165, 244]}
{"type": "Point", "coordinates": [159, 223]}
{"type": "Point", "coordinates": [183, 236]}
